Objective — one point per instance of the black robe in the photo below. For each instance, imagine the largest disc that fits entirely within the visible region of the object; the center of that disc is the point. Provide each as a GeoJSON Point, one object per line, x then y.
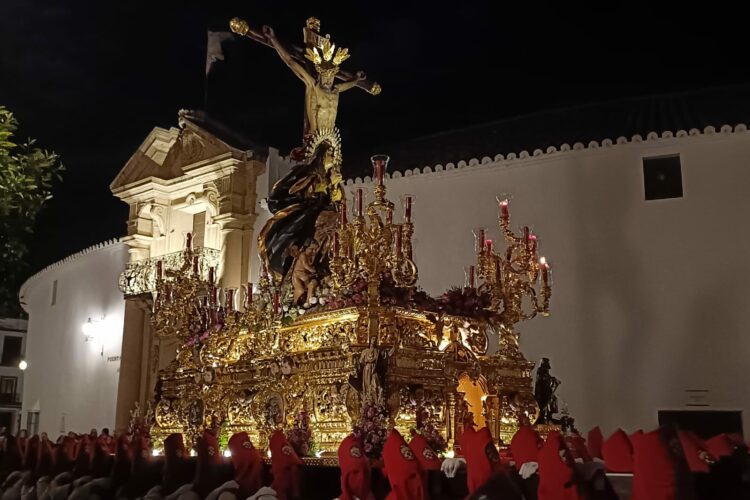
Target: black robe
{"type": "Point", "coordinates": [295, 208]}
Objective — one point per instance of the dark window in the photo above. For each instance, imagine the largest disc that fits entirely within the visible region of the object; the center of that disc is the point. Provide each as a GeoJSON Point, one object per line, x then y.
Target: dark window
{"type": "Point", "coordinates": [8, 385]}
{"type": "Point", "coordinates": [6, 420]}
{"type": "Point", "coordinates": [11, 351]}
{"type": "Point", "coordinates": [53, 299]}
{"type": "Point", "coordinates": [706, 424]}
{"type": "Point", "coordinates": [662, 177]}
{"type": "Point", "coordinates": [8, 394]}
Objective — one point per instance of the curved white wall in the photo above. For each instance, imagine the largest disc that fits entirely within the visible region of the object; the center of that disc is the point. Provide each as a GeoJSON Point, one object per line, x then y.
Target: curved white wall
{"type": "Point", "coordinates": [649, 297]}
{"type": "Point", "coordinates": [70, 381]}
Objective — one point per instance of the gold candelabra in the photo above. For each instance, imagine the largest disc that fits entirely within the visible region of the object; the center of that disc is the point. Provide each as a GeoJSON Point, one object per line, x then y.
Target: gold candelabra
{"type": "Point", "coordinates": [372, 244]}
{"type": "Point", "coordinates": [201, 314]}
{"type": "Point", "coordinates": [518, 279]}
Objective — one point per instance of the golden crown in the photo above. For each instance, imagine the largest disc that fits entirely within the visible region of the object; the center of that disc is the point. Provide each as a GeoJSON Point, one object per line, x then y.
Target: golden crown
{"type": "Point", "coordinates": [326, 56]}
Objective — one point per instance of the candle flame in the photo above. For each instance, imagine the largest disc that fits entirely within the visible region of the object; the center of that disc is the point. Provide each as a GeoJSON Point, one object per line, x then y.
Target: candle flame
{"type": "Point", "coordinates": [542, 261]}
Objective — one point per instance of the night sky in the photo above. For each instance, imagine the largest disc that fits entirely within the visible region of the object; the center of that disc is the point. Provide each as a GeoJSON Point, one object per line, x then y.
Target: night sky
{"type": "Point", "coordinates": [89, 80]}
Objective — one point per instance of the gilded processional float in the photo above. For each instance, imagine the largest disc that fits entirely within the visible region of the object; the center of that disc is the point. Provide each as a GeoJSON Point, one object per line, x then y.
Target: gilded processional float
{"type": "Point", "coordinates": [336, 336]}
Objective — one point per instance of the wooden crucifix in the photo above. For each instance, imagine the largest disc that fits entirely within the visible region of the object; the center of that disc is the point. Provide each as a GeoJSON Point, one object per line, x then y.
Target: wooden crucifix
{"type": "Point", "coordinates": [321, 91]}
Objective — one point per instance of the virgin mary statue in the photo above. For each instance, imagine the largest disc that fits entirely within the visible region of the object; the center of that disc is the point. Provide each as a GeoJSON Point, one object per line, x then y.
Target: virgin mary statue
{"type": "Point", "coordinates": [297, 201]}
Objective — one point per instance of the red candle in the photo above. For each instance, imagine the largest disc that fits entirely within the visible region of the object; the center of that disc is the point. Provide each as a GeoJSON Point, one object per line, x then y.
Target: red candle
{"type": "Point", "coordinates": [189, 242]}
{"type": "Point", "coordinates": [358, 201]}
{"type": "Point", "coordinates": [196, 265]}
{"type": "Point", "coordinates": [276, 303]}
{"type": "Point", "coordinates": [399, 242]}
{"type": "Point", "coordinates": [471, 277]}
{"type": "Point", "coordinates": [532, 239]}
{"type": "Point", "coordinates": [498, 272]}
{"type": "Point", "coordinates": [544, 267]}
{"type": "Point", "coordinates": [159, 269]}
{"type": "Point", "coordinates": [168, 293]}
{"type": "Point", "coordinates": [488, 246]}
{"type": "Point", "coordinates": [379, 171]}
{"type": "Point", "coordinates": [504, 209]}
{"type": "Point", "coordinates": [249, 293]}
{"type": "Point", "coordinates": [480, 240]}
{"type": "Point", "coordinates": [343, 212]}
{"type": "Point", "coordinates": [407, 208]}
{"type": "Point", "coordinates": [336, 244]}
{"type": "Point", "coordinates": [211, 275]}
{"type": "Point", "coordinates": [229, 299]}
{"type": "Point", "coordinates": [526, 235]}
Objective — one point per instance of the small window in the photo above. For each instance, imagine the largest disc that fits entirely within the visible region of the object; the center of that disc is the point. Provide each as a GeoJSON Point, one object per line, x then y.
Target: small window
{"type": "Point", "coordinates": [199, 229]}
{"type": "Point", "coordinates": [662, 177]}
{"type": "Point", "coordinates": [8, 385]}
{"type": "Point", "coordinates": [11, 351]}
{"type": "Point", "coordinates": [53, 298]}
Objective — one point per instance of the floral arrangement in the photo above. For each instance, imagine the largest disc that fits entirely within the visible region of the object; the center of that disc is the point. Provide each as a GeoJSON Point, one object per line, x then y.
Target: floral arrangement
{"type": "Point", "coordinates": [371, 428]}
{"type": "Point", "coordinates": [300, 437]}
{"type": "Point", "coordinates": [223, 437]}
{"type": "Point", "coordinates": [464, 301]}
{"type": "Point", "coordinates": [425, 427]}
{"type": "Point", "coordinates": [141, 421]}
{"type": "Point", "coordinates": [467, 302]}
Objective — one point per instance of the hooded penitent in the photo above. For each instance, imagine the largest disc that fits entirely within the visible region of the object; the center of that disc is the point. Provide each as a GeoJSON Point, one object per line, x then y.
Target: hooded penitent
{"type": "Point", "coordinates": [403, 470]}
{"type": "Point", "coordinates": [426, 456]}
{"type": "Point", "coordinates": [555, 471]}
{"type": "Point", "coordinates": [285, 467]}
{"type": "Point", "coordinates": [248, 464]}
{"type": "Point", "coordinates": [594, 442]}
{"type": "Point", "coordinates": [525, 445]}
{"type": "Point", "coordinates": [482, 458]}
{"type": "Point", "coordinates": [660, 471]}
{"type": "Point", "coordinates": [355, 470]}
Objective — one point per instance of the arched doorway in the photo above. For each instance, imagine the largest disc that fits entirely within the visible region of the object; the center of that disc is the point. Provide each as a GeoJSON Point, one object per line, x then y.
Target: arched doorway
{"type": "Point", "coordinates": [475, 392]}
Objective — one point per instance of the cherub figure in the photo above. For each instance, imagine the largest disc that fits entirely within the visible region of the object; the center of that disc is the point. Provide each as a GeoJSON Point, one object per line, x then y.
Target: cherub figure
{"type": "Point", "coordinates": [304, 274]}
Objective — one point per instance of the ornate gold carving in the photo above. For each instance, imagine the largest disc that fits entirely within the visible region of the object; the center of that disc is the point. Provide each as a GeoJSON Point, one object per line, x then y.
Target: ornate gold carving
{"type": "Point", "coordinates": [243, 368]}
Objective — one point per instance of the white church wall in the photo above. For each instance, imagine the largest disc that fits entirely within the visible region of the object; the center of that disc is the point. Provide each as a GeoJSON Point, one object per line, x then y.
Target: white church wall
{"type": "Point", "coordinates": [72, 381]}
{"type": "Point", "coordinates": [649, 297]}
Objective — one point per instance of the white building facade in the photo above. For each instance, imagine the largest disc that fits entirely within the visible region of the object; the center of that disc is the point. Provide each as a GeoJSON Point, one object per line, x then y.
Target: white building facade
{"type": "Point", "coordinates": [12, 346]}
{"type": "Point", "coordinates": [74, 341]}
{"type": "Point", "coordinates": [649, 297]}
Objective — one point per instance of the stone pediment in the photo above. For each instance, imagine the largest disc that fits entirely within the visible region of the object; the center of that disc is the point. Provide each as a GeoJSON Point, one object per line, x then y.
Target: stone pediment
{"type": "Point", "coordinates": [148, 159]}
{"type": "Point", "coordinates": [195, 145]}
{"type": "Point", "coordinates": [168, 154]}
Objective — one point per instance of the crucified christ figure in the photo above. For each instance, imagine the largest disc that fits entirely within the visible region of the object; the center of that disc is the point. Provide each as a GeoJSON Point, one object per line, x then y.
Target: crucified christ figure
{"type": "Point", "coordinates": [321, 93]}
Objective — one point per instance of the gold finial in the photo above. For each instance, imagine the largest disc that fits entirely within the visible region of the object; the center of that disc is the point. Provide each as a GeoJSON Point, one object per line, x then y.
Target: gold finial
{"type": "Point", "coordinates": [239, 26]}
{"type": "Point", "coordinates": [313, 23]}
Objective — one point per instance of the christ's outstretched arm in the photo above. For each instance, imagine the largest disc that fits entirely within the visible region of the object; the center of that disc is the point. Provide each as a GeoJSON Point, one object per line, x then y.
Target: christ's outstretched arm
{"type": "Point", "coordinates": [296, 67]}
{"type": "Point", "coordinates": [344, 86]}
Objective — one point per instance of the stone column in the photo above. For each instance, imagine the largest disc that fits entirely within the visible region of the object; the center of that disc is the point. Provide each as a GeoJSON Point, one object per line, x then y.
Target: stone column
{"type": "Point", "coordinates": [131, 361]}
{"type": "Point", "coordinates": [236, 242]}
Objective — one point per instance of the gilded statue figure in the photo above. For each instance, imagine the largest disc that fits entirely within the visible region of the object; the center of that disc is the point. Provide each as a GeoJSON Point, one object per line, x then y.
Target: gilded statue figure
{"type": "Point", "coordinates": [304, 274]}
{"type": "Point", "coordinates": [372, 385]}
{"type": "Point", "coordinates": [321, 93]}
{"type": "Point", "coordinates": [297, 201]}
{"type": "Point", "coordinates": [544, 392]}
